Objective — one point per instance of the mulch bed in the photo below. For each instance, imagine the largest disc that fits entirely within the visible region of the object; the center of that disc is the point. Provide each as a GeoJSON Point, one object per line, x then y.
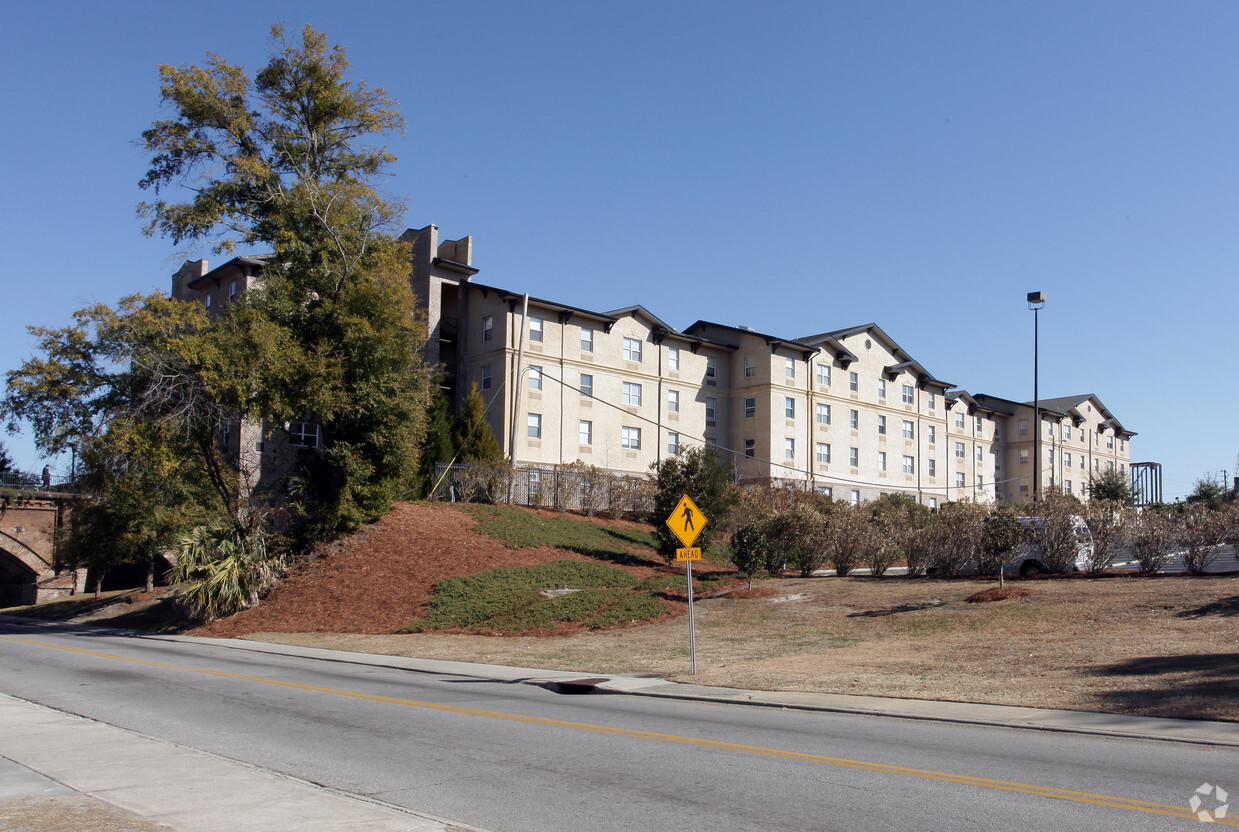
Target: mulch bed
{"type": "Point", "coordinates": [996, 594]}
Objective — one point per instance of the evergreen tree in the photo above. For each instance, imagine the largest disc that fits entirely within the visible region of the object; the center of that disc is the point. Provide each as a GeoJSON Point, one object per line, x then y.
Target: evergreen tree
{"type": "Point", "coordinates": [437, 447]}
{"type": "Point", "coordinates": [706, 478]}
{"type": "Point", "coordinates": [472, 434]}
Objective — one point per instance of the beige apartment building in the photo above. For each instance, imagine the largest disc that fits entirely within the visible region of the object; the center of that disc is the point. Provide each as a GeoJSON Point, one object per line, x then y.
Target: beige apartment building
{"type": "Point", "coordinates": [847, 412]}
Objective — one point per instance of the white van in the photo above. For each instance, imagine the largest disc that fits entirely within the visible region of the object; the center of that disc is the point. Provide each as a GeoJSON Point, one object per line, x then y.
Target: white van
{"type": "Point", "coordinates": [1028, 561]}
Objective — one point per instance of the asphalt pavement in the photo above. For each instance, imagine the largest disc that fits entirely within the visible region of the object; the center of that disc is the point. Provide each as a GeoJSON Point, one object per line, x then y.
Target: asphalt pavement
{"type": "Point", "coordinates": [65, 773]}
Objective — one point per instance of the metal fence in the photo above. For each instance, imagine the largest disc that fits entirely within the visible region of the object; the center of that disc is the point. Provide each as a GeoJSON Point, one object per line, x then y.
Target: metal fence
{"type": "Point", "coordinates": [561, 487]}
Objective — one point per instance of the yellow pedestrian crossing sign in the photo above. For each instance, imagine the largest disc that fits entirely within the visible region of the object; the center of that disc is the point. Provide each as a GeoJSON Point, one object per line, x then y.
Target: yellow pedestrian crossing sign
{"type": "Point", "coordinates": [686, 521]}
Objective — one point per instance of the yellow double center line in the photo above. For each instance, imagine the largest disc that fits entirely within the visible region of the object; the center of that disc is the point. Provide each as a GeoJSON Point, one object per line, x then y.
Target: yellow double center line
{"type": "Point", "coordinates": [1109, 801]}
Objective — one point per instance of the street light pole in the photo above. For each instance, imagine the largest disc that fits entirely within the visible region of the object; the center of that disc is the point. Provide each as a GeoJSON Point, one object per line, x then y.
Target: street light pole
{"type": "Point", "coordinates": [1036, 302]}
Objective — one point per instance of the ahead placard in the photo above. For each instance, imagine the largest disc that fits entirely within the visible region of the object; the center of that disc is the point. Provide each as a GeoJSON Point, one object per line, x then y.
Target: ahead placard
{"type": "Point", "coordinates": [691, 553]}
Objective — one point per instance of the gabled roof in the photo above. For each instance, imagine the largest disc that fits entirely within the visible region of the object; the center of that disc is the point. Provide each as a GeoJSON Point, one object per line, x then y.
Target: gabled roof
{"type": "Point", "coordinates": [508, 295]}
{"type": "Point", "coordinates": [216, 274]}
{"type": "Point", "coordinates": [1070, 406]}
{"type": "Point", "coordinates": [771, 340]}
{"type": "Point", "coordinates": [905, 363]}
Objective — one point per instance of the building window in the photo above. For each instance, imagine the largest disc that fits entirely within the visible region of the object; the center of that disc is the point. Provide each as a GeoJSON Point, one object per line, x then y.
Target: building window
{"type": "Point", "coordinates": [933, 468]}
{"type": "Point", "coordinates": [535, 329]}
{"type": "Point", "coordinates": [823, 375]}
{"type": "Point", "coordinates": [750, 447]}
{"type": "Point", "coordinates": [673, 443]}
{"type": "Point", "coordinates": [535, 378]}
{"type": "Point", "coordinates": [750, 366]}
{"type": "Point", "coordinates": [881, 426]}
{"type": "Point", "coordinates": [855, 497]}
{"type": "Point", "coordinates": [632, 394]}
{"type": "Point", "coordinates": [980, 454]}
{"type": "Point", "coordinates": [587, 339]}
{"type": "Point", "coordinates": [854, 457]}
{"type": "Point", "coordinates": [673, 358]}
{"type": "Point", "coordinates": [1081, 462]}
{"type": "Point", "coordinates": [303, 434]}
{"type": "Point", "coordinates": [711, 408]}
{"type": "Point", "coordinates": [981, 425]}
{"type": "Point", "coordinates": [881, 388]}
{"type": "Point", "coordinates": [980, 482]}
{"type": "Point", "coordinates": [959, 480]}
{"type": "Point", "coordinates": [825, 491]}
{"type": "Point", "coordinates": [486, 377]}
{"type": "Point", "coordinates": [587, 385]}
{"type": "Point", "coordinates": [206, 301]}
{"type": "Point", "coordinates": [1110, 442]}
{"type": "Point", "coordinates": [933, 401]}
{"type": "Point", "coordinates": [1067, 460]}
{"type": "Point", "coordinates": [789, 367]}
{"type": "Point", "coordinates": [632, 350]}
{"type": "Point", "coordinates": [823, 414]}
{"type": "Point", "coordinates": [1096, 465]}
{"type": "Point", "coordinates": [1023, 428]}
{"type": "Point", "coordinates": [630, 439]}
{"type": "Point", "coordinates": [909, 465]}
{"type": "Point", "coordinates": [823, 453]}
{"type": "Point", "coordinates": [1023, 456]}
{"type": "Point", "coordinates": [488, 327]}
{"type": "Point", "coordinates": [673, 401]}
{"type": "Point", "coordinates": [711, 367]}
{"type": "Point", "coordinates": [789, 448]}
{"type": "Point", "coordinates": [881, 460]}
{"type": "Point", "coordinates": [933, 434]}
{"type": "Point", "coordinates": [854, 419]}
{"type": "Point", "coordinates": [535, 426]}
{"type": "Point", "coordinates": [908, 397]}
{"type": "Point", "coordinates": [587, 432]}
{"type": "Point", "coordinates": [789, 407]}
{"type": "Point", "coordinates": [933, 504]}
{"type": "Point", "coordinates": [909, 430]}
{"type": "Point", "coordinates": [232, 292]}
{"type": "Point", "coordinates": [750, 408]}
{"type": "Point", "coordinates": [959, 421]}
{"type": "Point", "coordinates": [853, 382]}
{"type": "Point", "coordinates": [1067, 486]}
{"type": "Point", "coordinates": [1110, 465]}
{"type": "Point", "coordinates": [959, 450]}
{"type": "Point", "coordinates": [1066, 431]}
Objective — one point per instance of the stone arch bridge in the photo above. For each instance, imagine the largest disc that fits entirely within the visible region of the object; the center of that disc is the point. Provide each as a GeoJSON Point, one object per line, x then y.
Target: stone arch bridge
{"type": "Point", "coordinates": [29, 569]}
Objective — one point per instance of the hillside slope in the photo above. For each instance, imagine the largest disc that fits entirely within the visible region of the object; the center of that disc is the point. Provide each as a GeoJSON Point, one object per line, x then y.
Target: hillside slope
{"type": "Point", "coordinates": [379, 578]}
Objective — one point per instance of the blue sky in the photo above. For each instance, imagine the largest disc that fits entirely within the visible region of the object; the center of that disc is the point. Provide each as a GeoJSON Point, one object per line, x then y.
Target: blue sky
{"type": "Point", "coordinates": [794, 167]}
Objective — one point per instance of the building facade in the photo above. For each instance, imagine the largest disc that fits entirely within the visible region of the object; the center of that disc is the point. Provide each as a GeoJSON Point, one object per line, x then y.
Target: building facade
{"type": "Point", "coordinates": [847, 412]}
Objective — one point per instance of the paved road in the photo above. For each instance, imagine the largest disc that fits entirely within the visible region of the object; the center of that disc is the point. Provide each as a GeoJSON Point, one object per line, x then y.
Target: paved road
{"type": "Point", "coordinates": [512, 757]}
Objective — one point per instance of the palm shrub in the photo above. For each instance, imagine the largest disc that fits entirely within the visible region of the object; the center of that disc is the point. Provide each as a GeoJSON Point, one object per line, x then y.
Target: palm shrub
{"type": "Point", "coordinates": [227, 569]}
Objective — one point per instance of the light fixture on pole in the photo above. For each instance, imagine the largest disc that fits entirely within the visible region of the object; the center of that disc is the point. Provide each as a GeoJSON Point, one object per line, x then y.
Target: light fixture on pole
{"type": "Point", "coordinates": [1036, 302]}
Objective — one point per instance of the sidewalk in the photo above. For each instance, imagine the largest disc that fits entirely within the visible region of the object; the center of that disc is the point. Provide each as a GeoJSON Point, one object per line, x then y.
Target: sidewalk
{"type": "Point", "coordinates": [62, 773]}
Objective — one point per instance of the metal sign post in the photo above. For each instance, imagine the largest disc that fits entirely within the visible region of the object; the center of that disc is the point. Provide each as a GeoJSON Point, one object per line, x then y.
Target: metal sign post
{"type": "Point", "coordinates": [685, 523]}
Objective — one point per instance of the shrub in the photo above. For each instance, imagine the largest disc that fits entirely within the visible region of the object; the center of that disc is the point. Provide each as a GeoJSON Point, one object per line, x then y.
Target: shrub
{"type": "Point", "coordinates": [851, 535]}
{"type": "Point", "coordinates": [705, 476]}
{"type": "Point", "coordinates": [1110, 523]}
{"type": "Point", "coordinates": [1153, 536]}
{"type": "Point", "coordinates": [749, 548]}
{"type": "Point", "coordinates": [1052, 539]}
{"type": "Point", "coordinates": [1001, 534]}
{"type": "Point", "coordinates": [956, 536]}
{"type": "Point", "coordinates": [1202, 531]}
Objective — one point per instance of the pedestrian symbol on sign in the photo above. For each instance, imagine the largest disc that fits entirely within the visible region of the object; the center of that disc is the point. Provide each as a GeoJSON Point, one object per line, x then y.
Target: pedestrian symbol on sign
{"type": "Point", "coordinates": [686, 521]}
